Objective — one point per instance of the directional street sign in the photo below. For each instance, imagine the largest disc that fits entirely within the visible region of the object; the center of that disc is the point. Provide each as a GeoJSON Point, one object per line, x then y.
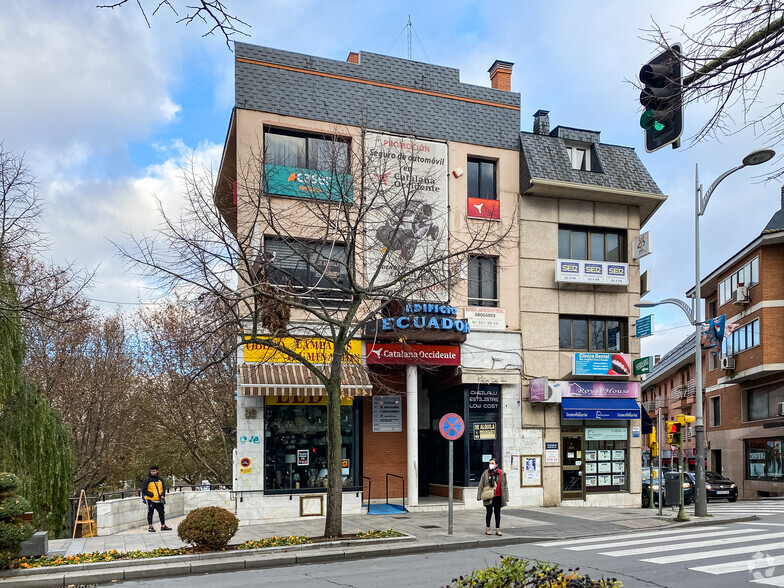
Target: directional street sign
{"type": "Point", "coordinates": [451, 426]}
{"type": "Point", "coordinates": [642, 365]}
{"type": "Point", "coordinates": [644, 326]}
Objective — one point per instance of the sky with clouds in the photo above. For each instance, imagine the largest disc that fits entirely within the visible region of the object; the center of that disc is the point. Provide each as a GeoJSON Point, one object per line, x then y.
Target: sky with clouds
{"type": "Point", "coordinates": [105, 110]}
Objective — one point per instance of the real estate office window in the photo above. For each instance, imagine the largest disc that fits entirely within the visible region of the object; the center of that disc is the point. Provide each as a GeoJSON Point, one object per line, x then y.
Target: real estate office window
{"type": "Point", "coordinates": [591, 244]}
{"type": "Point", "coordinates": [307, 151]}
{"type": "Point", "coordinates": [482, 179]}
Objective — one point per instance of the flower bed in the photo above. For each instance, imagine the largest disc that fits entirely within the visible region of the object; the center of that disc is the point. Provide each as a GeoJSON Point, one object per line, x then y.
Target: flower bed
{"type": "Point", "coordinates": [114, 555]}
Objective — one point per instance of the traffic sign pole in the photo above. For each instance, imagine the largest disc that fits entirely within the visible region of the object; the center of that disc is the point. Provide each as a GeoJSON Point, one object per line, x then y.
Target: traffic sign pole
{"type": "Point", "coordinates": [451, 427]}
{"type": "Point", "coordinates": [451, 477]}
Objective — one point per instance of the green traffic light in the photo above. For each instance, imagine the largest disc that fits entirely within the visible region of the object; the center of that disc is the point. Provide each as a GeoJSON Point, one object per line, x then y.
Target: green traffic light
{"type": "Point", "coordinates": [648, 121]}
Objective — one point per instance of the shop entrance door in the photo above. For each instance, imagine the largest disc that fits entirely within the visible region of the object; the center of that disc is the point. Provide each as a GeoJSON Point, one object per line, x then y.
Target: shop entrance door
{"type": "Point", "coordinates": [572, 481]}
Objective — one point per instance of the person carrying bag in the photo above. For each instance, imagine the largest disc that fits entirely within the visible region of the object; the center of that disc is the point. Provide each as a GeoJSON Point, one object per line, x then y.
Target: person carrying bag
{"type": "Point", "coordinates": [153, 493]}
{"type": "Point", "coordinates": [493, 491]}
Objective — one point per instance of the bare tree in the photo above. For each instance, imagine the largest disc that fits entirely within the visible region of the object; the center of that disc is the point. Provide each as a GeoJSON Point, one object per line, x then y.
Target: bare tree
{"type": "Point", "coordinates": [43, 291]}
{"type": "Point", "coordinates": [727, 62]}
{"type": "Point", "coordinates": [212, 13]}
{"type": "Point", "coordinates": [191, 419]}
{"type": "Point", "coordinates": [374, 232]}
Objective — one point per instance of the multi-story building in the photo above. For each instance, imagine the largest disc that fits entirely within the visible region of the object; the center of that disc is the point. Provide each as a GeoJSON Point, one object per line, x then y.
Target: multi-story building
{"type": "Point", "coordinates": [744, 379]}
{"type": "Point", "coordinates": [567, 200]}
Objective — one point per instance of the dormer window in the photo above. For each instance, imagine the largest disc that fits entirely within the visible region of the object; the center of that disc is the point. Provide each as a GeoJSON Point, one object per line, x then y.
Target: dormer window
{"type": "Point", "coordinates": [579, 156]}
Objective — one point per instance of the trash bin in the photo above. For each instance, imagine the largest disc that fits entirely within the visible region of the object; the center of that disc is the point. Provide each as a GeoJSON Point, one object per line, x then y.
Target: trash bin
{"type": "Point", "coordinates": [672, 488]}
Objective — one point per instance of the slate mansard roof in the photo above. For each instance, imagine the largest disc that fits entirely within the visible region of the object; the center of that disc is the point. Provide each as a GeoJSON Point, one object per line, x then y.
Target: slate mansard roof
{"type": "Point", "coordinates": [380, 92]}
{"type": "Point", "coordinates": [545, 157]}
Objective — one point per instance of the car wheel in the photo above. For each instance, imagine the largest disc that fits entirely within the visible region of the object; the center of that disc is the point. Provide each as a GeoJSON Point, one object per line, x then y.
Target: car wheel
{"type": "Point", "coordinates": [733, 499]}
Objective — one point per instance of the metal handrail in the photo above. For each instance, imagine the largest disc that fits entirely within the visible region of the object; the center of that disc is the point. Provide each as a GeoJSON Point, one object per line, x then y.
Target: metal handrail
{"type": "Point", "coordinates": [402, 479]}
{"type": "Point", "coordinates": [370, 488]}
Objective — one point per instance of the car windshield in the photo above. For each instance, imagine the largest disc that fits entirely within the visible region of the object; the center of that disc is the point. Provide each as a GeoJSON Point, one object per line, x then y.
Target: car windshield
{"type": "Point", "coordinates": [646, 474]}
{"type": "Point", "coordinates": [713, 476]}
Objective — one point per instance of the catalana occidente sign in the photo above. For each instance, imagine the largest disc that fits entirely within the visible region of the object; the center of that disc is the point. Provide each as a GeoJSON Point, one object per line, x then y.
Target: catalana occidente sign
{"type": "Point", "coordinates": [412, 354]}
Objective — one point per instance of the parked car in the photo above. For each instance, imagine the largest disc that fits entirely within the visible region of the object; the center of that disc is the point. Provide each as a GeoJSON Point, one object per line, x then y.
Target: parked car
{"type": "Point", "coordinates": [667, 474]}
{"type": "Point", "coordinates": [717, 486]}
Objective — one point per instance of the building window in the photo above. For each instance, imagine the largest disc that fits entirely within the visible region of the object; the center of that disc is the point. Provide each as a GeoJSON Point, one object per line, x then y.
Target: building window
{"type": "Point", "coordinates": [591, 244]}
{"type": "Point", "coordinates": [318, 152]}
{"type": "Point", "coordinates": [764, 459]}
{"type": "Point", "coordinates": [481, 179]}
{"type": "Point", "coordinates": [482, 281]}
{"type": "Point", "coordinates": [741, 339]}
{"type": "Point", "coordinates": [763, 402]}
{"type": "Point", "coordinates": [317, 271]}
{"type": "Point", "coordinates": [579, 157]}
{"type": "Point", "coordinates": [713, 360]}
{"type": "Point", "coordinates": [595, 334]}
{"type": "Point", "coordinates": [747, 276]}
{"type": "Point", "coordinates": [712, 309]}
{"type": "Point", "coordinates": [715, 411]}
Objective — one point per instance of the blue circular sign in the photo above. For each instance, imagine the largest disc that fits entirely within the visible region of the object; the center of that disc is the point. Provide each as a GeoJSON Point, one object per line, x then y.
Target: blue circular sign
{"type": "Point", "coordinates": [451, 426]}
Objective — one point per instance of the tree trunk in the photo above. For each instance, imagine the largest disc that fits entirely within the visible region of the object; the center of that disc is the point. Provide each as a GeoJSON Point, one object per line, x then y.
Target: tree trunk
{"type": "Point", "coordinates": [334, 523]}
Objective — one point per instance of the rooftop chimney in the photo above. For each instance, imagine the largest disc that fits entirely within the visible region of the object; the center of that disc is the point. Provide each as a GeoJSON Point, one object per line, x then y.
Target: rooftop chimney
{"type": "Point", "coordinates": [501, 75]}
{"type": "Point", "coordinates": [353, 57]}
{"type": "Point", "coordinates": [542, 122]}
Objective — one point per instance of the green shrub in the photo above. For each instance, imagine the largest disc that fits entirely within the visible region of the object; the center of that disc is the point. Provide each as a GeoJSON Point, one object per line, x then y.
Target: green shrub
{"type": "Point", "coordinates": [514, 572]}
{"type": "Point", "coordinates": [208, 528]}
{"type": "Point", "coordinates": [13, 530]}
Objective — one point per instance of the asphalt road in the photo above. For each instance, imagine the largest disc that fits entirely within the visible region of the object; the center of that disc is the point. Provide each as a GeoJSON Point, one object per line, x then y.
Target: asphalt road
{"type": "Point", "coordinates": [729, 555]}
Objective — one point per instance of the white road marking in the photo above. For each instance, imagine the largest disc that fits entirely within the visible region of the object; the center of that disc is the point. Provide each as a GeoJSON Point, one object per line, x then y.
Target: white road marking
{"type": "Point", "coordinates": [619, 536]}
{"type": "Point", "coordinates": [695, 544]}
{"type": "Point", "coordinates": [774, 581]}
{"type": "Point", "coordinates": [740, 565]}
{"type": "Point", "coordinates": [717, 553]}
{"type": "Point", "coordinates": [648, 540]}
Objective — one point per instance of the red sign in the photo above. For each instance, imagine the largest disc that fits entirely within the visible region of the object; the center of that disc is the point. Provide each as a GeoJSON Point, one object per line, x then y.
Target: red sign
{"type": "Point", "coordinates": [412, 354]}
{"type": "Point", "coordinates": [451, 426]}
{"type": "Point", "coordinates": [245, 462]}
{"type": "Point", "coordinates": [482, 208]}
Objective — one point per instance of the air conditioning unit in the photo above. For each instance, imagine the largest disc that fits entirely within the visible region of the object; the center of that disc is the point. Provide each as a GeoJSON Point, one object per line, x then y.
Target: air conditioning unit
{"type": "Point", "coordinates": [728, 363]}
{"type": "Point", "coordinates": [741, 295]}
{"type": "Point", "coordinates": [781, 408]}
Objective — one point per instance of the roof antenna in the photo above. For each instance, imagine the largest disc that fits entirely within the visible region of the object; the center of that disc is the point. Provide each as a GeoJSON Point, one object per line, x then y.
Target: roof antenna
{"type": "Point", "coordinates": [410, 27]}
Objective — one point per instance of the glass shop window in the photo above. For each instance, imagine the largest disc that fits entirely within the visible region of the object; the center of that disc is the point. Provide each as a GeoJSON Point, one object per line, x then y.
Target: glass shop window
{"type": "Point", "coordinates": [295, 443]}
{"type": "Point", "coordinates": [606, 465]}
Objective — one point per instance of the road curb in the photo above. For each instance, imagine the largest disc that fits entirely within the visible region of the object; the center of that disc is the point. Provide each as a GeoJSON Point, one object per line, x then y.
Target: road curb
{"type": "Point", "coordinates": [185, 565]}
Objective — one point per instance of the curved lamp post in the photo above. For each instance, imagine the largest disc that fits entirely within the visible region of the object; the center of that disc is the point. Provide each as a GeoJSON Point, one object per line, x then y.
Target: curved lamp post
{"type": "Point", "coordinates": [700, 203]}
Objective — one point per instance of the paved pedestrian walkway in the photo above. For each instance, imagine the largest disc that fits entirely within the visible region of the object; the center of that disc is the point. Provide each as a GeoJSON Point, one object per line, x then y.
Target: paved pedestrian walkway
{"type": "Point", "coordinates": [428, 527]}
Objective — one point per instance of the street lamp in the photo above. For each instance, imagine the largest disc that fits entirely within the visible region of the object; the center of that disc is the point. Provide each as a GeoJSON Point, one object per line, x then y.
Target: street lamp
{"type": "Point", "coordinates": [700, 203]}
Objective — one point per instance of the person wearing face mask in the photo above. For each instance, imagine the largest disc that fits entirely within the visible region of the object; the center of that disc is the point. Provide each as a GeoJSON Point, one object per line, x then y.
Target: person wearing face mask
{"type": "Point", "coordinates": [493, 491]}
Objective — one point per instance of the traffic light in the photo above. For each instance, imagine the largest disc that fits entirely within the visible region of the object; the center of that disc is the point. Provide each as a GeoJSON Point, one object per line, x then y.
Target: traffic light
{"type": "Point", "coordinates": [661, 97]}
{"type": "Point", "coordinates": [685, 418]}
{"type": "Point", "coordinates": [673, 433]}
{"type": "Point", "coordinates": [654, 449]}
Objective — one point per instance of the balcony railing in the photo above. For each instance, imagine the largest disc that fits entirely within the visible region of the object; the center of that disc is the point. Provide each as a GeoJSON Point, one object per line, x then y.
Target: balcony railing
{"type": "Point", "coordinates": [649, 405]}
{"type": "Point", "coordinates": [660, 403]}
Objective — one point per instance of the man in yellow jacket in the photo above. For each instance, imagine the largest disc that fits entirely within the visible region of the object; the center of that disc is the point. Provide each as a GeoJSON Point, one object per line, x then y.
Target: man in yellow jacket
{"type": "Point", "coordinates": [153, 493]}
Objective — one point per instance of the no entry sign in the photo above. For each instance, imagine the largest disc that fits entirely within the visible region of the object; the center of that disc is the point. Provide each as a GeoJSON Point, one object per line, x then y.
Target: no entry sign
{"type": "Point", "coordinates": [451, 426]}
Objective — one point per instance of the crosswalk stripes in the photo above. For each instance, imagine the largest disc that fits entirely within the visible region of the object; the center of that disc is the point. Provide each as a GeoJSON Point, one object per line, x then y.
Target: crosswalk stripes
{"type": "Point", "coordinates": [755, 507]}
{"type": "Point", "coordinates": [754, 548]}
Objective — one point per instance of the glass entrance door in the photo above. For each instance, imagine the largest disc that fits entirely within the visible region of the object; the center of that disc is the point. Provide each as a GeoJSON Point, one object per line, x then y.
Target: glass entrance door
{"type": "Point", "coordinates": [572, 487]}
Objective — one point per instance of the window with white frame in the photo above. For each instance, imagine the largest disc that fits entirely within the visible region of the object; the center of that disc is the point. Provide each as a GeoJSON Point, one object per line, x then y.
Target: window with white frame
{"type": "Point", "coordinates": [747, 276]}
{"type": "Point", "coordinates": [579, 157]}
{"type": "Point", "coordinates": [741, 339]}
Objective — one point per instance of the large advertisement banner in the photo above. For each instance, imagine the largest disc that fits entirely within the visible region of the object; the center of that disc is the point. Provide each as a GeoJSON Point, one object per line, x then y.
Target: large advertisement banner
{"type": "Point", "coordinates": [602, 364]}
{"type": "Point", "coordinates": [406, 191]}
{"type": "Point", "coordinates": [592, 272]}
{"type": "Point", "coordinates": [314, 349]}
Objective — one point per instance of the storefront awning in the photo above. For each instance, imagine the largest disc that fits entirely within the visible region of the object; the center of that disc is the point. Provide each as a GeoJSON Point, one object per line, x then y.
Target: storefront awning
{"type": "Point", "coordinates": [600, 408]}
{"type": "Point", "coordinates": [647, 423]}
{"type": "Point", "coordinates": [294, 379]}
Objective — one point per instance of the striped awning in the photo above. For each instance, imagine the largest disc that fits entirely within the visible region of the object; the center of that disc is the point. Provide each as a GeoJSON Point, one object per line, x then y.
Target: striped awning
{"type": "Point", "coordinates": [294, 379]}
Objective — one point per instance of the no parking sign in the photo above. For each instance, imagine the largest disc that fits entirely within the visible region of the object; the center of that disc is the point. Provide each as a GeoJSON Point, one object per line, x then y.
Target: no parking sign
{"type": "Point", "coordinates": [451, 426]}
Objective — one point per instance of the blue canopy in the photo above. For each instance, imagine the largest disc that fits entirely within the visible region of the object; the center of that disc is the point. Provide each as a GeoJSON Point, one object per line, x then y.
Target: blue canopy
{"type": "Point", "coordinates": [600, 408]}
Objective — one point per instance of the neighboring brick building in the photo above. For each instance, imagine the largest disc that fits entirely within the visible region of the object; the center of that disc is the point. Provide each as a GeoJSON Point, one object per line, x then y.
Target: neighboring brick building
{"type": "Point", "coordinates": [554, 189]}
{"type": "Point", "coordinates": [744, 382]}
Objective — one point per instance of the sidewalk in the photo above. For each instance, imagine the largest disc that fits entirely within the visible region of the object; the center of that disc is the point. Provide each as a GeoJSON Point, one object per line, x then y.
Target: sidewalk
{"type": "Point", "coordinates": [426, 532]}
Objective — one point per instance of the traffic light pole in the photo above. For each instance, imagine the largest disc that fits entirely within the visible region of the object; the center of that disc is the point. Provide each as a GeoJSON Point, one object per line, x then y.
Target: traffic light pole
{"type": "Point", "coordinates": [659, 441]}
{"type": "Point", "coordinates": [681, 511]}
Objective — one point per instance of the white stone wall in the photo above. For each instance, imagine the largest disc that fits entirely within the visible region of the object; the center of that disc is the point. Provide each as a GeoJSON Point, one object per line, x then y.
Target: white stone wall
{"type": "Point", "coordinates": [113, 516]}
{"type": "Point", "coordinates": [250, 443]}
{"type": "Point", "coordinates": [255, 508]}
